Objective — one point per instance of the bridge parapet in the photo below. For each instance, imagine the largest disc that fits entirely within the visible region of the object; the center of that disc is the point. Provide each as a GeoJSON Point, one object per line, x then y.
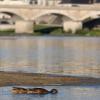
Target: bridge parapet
{"type": "Point", "coordinates": [69, 7]}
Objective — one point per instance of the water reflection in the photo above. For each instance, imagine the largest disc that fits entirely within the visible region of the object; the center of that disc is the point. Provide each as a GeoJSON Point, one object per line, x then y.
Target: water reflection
{"type": "Point", "coordinates": [65, 92]}
{"type": "Point", "coordinates": [64, 55]}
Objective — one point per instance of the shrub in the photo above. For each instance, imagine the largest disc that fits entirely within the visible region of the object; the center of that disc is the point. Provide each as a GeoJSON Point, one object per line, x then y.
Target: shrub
{"type": "Point", "coordinates": [82, 31]}
{"type": "Point", "coordinates": [7, 32]}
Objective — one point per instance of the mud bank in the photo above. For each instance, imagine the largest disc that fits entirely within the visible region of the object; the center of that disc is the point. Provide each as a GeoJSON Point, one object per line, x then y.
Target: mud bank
{"type": "Point", "coordinates": [17, 78]}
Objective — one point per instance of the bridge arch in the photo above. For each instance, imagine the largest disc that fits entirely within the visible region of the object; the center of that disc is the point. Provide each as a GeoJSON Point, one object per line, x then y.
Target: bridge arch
{"type": "Point", "coordinates": [65, 14]}
{"type": "Point", "coordinates": [13, 14]}
{"type": "Point", "coordinates": [91, 16]}
{"type": "Point", "coordinates": [91, 20]}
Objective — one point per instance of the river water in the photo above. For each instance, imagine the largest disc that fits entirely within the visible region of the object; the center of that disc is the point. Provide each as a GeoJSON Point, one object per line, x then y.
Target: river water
{"type": "Point", "coordinates": [64, 93]}
{"type": "Point", "coordinates": [79, 56]}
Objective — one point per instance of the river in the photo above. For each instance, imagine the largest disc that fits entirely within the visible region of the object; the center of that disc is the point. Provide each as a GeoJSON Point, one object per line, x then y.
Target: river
{"type": "Point", "coordinates": [64, 93]}
{"type": "Point", "coordinates": [78, 56]}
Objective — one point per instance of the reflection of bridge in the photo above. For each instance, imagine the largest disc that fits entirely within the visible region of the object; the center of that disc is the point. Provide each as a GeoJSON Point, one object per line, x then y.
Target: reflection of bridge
{"type": "Point", "coordinates": [25, 14]}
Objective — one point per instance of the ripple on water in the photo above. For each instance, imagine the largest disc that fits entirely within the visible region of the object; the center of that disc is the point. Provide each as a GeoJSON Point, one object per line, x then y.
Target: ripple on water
{"type": "Point", "coordinates": [60, 55]}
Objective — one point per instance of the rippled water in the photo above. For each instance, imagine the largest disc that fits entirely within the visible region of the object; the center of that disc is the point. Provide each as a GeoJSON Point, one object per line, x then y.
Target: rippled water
{"type": "Point", "coordinates": [59, 55]}
{"type": "Point", "coordinates": [65, 93]}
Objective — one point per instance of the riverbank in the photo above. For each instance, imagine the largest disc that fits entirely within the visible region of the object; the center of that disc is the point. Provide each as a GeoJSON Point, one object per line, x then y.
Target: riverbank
{"type": "Point", "coordinates": [17, 78]}
{"type": "Point", "coordinates": [41, 30]}
{"type": "Point", "coordinates": [58, 31]}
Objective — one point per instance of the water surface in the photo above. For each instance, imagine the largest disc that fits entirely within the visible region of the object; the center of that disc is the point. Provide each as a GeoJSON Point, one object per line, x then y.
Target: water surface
{"type": "Point", "coordinates": [78, 56]}
{"type": "Point", "coordinates": [65, 93]}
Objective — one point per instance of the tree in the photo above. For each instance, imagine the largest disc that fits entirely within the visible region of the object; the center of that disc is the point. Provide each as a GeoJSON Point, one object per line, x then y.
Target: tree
{"type": "Point", "coordinates": [90, 1]}
{"type": "Point", "coordinates": [94, 1]}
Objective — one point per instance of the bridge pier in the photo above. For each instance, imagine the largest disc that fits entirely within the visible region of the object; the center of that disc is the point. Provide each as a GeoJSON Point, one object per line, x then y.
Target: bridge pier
{"type": "Point", "coordinates": [72, 26]}
{"type": "Point", "coordinates": [24, 27]}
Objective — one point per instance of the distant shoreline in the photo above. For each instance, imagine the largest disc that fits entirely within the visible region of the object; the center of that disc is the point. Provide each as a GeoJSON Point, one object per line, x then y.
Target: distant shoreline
{"type": "Point", "coordinates": [17, 78]}
{"type": "Point", "coordinates": [42, 30]}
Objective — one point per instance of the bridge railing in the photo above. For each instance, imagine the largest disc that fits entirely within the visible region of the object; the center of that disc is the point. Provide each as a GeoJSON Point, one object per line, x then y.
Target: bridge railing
{"type": "Point", "coordinates": [42, 4]}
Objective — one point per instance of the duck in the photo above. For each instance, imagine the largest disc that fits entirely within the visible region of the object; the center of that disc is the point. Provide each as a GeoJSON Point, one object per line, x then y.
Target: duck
{"type": "Point", "coordinates": [18, 90]}
{"type": "Point", "coordinates": [41, 91]}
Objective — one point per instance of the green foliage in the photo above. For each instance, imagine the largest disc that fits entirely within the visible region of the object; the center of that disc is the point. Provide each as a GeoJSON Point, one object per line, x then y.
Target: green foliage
{"type": "Point", "coordinates": [48, 30]}
{"type": "Point", "coordinates": [69, 31]}
{"type": "Point", "coordinates": [8, 32]}
{"type": "Point", "coordinates": [87, 32]}
{"type": "Point", "coordinates": [95, 32]}
{"type": "Point", "coordinates": [57, 32]}
{"type": "Point", "coordinates": [82, 31]}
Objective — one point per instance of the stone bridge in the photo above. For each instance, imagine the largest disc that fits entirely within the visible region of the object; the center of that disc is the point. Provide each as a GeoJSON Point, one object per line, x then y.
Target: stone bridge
{"type": "Point", "coordinates": [74, 15]}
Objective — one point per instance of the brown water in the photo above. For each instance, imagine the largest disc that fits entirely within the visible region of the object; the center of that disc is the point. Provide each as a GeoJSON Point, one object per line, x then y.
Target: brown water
{"type": "Point", "coordinates": [78, 56]}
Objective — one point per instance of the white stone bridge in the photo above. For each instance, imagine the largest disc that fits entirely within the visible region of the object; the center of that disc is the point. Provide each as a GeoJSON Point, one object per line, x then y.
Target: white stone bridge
{"type": "Point", "coordinates": [23, 14]}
